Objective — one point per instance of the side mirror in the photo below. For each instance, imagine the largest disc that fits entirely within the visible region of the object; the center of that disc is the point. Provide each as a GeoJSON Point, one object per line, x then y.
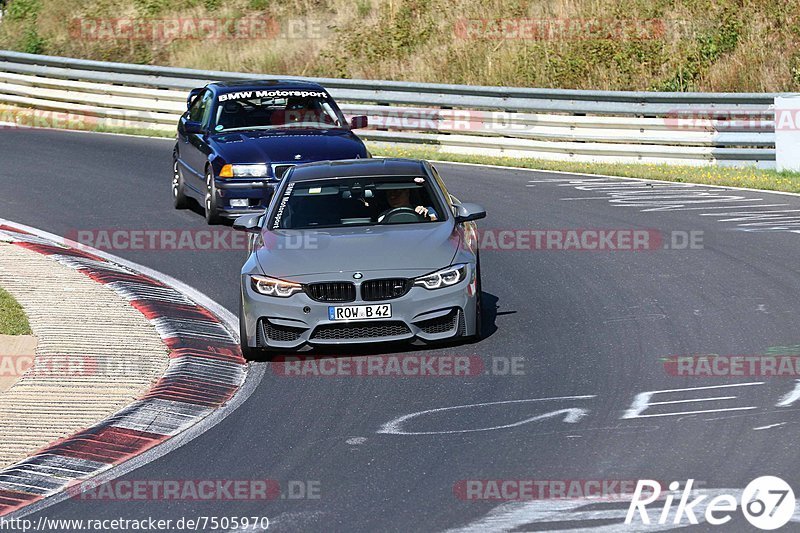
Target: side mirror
{"type": "Point", "coordinates": [191, 126]}
{"type": "Point", "coordinates": [248, 223]}
{"type": "Point", "coordinates": [192, 94]}
{"type": "Point", "coordinates": [468, 212]}
{"type": "Point", "coordinates": [358, 122]}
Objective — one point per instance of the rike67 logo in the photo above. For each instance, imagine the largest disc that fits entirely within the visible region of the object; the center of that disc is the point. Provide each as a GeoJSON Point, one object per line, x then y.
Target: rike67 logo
{"type": "Point", "coordinates": [768, 503]}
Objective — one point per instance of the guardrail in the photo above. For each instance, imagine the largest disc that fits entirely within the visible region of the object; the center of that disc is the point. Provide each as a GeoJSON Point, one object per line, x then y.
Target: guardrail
{"type": "Point", "coordinates": [606, 126]}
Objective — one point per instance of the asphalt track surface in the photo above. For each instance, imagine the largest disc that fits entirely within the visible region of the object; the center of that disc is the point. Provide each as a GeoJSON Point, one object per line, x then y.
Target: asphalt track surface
{"type": "Point", "coordinates": [589, 324]}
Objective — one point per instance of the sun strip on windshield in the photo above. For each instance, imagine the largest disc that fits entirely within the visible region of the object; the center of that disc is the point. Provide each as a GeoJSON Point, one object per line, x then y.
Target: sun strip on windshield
{"type": "Point", "coordinates": [284, 200]}
{"type": "Point", "coordinates": [246, 95]}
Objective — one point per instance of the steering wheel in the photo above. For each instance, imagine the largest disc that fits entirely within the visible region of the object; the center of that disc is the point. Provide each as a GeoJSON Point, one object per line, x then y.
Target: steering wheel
{"type": "Point", "coordinates": [401, 214]}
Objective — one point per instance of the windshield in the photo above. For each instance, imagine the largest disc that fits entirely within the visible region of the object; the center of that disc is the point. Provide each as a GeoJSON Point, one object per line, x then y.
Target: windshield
{"type": "Point", "coordinates": [275, 110]}
{"type": "Point", "coordinates": [361, 201]}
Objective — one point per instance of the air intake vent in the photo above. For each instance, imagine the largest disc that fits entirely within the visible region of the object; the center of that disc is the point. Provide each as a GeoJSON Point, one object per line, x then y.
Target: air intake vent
{"type": "Point", "coordinates": [335, 291]}
{"type": "Point", "coordinates": [384, 289]}
{"type": "Point", "coordinates": [280, 170]}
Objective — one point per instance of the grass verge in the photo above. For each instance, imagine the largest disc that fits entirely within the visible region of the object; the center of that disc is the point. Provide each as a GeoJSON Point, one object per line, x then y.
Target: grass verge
{"type": "Point", "coordinates": [12, 317]}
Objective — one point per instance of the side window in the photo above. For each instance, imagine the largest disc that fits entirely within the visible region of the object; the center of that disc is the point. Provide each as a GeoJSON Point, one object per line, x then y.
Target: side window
{"type": "Point", "coordinates": [200, 108]}
{"type": "Point", "coordinates": [196, 111]}
{"type": "Point", "coordinates": [450, 199]}
{"type": "Point", "coordinates": [206, 104]}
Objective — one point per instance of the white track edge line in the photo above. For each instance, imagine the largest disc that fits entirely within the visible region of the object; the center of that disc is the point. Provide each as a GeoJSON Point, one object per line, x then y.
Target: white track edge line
{"type": "Point", "coordinates": [608, 176]}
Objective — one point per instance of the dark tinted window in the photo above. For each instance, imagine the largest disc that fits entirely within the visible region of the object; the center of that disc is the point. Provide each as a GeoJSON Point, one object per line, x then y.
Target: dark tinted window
{"type": "Point", "coordinates": [357, 201]}
{"type": "Point", "coordinates": [198, 109]}
{"type": "Point", "coordinates": [246, 110]}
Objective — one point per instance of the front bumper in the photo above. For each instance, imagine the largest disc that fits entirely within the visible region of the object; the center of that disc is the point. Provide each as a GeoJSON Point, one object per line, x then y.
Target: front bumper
{"type": "Point", "coordinates": [257, 193]}
{"type": "Point", "coordinates": [294, 322]}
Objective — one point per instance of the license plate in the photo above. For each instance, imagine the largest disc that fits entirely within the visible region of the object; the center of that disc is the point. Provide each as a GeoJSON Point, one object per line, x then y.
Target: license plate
{"type": "Point", "coordinates": [239, 202]}
{"type": "Point", "coordinates": [359, 312]}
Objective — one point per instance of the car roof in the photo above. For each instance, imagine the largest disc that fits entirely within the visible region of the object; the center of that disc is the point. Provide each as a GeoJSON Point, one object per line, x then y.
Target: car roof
{"type": "Point", "coordinates": [351, 168]}
{"type": "Point", "coordinates": [254, 85]}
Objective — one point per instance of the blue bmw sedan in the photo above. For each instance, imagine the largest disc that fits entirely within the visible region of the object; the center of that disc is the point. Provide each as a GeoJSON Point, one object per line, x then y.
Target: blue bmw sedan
{"type": "Point", "coordinates": [237, 139]}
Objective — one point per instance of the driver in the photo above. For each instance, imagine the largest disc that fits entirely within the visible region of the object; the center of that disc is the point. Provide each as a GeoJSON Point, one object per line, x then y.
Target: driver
{"type": "Point", "coordinates": [303, 110]}
{"type": "Point", "coordinates": [402, 198]}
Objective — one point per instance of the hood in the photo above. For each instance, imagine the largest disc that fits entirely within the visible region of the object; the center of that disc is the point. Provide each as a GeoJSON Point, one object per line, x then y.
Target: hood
{"type": "Point", "coordinates": [415, 248]}
{"type": "Point", "coordinates": [268, 146]}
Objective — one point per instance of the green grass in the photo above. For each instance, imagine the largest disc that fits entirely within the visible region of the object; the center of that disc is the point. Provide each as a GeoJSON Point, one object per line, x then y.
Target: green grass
{"type": "Point", "coordinates": [749, 177]}
{"type": "Point", "coordinates": [134, 131]}
{"type": "Point", "coordinates": [12, 317]}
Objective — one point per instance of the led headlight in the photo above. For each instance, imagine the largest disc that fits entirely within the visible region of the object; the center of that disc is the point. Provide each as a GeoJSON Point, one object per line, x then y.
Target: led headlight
{"type": "Point", "coordinates": [274, 287]}
{"type": "Point", "coordinates": [244, 171]}
{"type": "Point", "coordinates": [443, 278]}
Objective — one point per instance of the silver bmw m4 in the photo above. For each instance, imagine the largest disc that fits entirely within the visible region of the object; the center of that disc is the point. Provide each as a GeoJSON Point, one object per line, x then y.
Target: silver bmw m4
{"type": "Point", "coordinates": [360, 251]}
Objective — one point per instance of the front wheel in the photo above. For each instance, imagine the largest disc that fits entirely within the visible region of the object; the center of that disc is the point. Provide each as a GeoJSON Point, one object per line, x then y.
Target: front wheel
{"type": "Point", "coordinates": [249, 354]}
{"type": "Point", "coordinates": [179, 199]}
{"type": "Point", "coordinates": [478, 335]}
{"type": "Point", "coordinates": [210, 202]}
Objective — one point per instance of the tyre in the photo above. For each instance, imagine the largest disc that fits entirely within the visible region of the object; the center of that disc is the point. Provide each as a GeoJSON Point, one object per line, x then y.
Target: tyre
{"type": "Point", "coordinates": [179, 199]}
{"type": "Point", "coordinates": [249, 354]}
{"type": "Point", "coordinates": [210, 201]}
{"type": "Point", "coordinates": [478, 335]}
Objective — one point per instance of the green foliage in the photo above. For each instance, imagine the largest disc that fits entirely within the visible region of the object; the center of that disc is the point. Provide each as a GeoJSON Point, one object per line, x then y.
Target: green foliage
{"type": "Point", "coordinates": [702, 45]}
{"type": "Point", "coordinates": [12, 317]}
{"type": "Point", "coordinates": [24, 10]}
{"type": "Point", "coordinates": [794, 68]}
{"type": "Point", "coordinates": [397, 34]}
{"type": "Point", "coordinates": [150, 8]}
{"type": "Point", "coordinates": [32, 42]}
{"type": "Point", "coordinates": [708, 48]}
{"type": "Point", "coordinates": [363, 8]}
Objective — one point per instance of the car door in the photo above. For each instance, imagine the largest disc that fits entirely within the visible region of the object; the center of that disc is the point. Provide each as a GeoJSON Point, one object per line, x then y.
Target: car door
{"type": "Point", "coordinates": [193, 147]}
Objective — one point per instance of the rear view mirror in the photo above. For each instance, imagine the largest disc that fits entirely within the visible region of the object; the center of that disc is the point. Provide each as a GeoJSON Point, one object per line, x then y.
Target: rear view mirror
{"type": "Point", "coordinates": [468, 212]}
{"type": "Point", "coordinates": [248, 223]}
{"type": "Point", "coordinates": [191, 126]}
{"type": "Point", "coordinates": [358, 122]}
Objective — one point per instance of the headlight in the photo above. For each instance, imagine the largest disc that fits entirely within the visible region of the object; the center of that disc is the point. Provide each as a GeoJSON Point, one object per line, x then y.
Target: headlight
{"type": "Point", "coordinates": [274, 287]}
{"type": "Point", "coordinates": [443, 278]}
{"type": "Point", "coordinates": [244, 171]}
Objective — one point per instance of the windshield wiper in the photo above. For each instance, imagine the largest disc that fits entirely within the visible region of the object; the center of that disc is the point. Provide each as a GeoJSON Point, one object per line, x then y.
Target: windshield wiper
{"type": "Point", "coordinates": [283, 127]}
